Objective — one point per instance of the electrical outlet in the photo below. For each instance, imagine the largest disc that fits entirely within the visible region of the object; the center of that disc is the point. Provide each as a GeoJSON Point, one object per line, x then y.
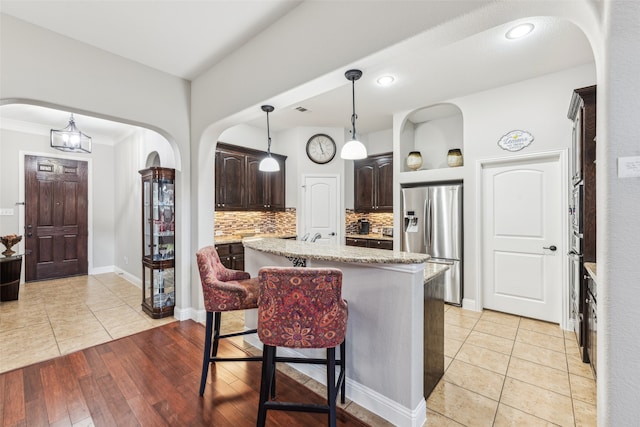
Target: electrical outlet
{"type": "Point", "coordinates": [126, 260]}
{"type": "Point", "coordinates": [7, 212]}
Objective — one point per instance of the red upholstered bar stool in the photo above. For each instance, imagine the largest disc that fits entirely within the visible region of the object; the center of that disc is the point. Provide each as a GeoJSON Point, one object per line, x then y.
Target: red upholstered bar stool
{"type": "Point", "coordinates": [301, 307]}
{"type": "Point", "coordinates": [224, 290]}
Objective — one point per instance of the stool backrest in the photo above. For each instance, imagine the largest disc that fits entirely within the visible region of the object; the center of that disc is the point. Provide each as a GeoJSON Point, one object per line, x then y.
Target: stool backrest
{"type": "Point", "coordinates": [220, 286]}
{"type": "Point", "coordinates": [301, 307]}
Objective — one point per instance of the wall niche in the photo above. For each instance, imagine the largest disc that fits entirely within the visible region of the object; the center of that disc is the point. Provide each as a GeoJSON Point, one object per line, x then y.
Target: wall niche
{"type": "Point", "coordinates": [432, 131]}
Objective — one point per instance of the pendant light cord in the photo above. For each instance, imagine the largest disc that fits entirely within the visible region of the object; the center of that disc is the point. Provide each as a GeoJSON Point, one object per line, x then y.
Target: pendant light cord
{"type": "Point", "coordinates": [353, 116]}
{"type": "Point", "coordinates": [268, 136]}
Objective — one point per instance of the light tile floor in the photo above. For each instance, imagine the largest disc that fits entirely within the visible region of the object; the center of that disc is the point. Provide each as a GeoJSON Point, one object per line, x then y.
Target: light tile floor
{"type": "Point", "coordinates": [504, 370]}
{"type": "Point", "coordinates": [56, 317]}
{"type": "Point", "coordinates": [501, 369]}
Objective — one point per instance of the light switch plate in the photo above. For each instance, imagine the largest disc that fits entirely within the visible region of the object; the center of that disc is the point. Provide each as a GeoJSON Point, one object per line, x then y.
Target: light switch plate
{"type": "Point", "coordinates": [6, 212]}
{"type": "Point", "coordinates": [628, 167]}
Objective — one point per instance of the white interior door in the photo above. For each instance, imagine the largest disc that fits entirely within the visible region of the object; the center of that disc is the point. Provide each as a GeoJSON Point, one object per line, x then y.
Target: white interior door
{"type": "Point", "coordinates": [522, 224]}
{"type": "Point", "coordinates": [321, 201]}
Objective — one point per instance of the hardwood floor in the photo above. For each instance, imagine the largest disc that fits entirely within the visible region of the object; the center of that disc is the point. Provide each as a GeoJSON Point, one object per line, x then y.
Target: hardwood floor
{"type": "Point", "coordinates": [150, 378]}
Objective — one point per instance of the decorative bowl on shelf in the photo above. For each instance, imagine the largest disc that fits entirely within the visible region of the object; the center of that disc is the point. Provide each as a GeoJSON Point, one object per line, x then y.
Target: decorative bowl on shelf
{"type": "Point", "coordinates": [9, 241]}
{"type": "Point", "coordinates": [454, 158]}
{"type": "Point", "coordinates": [414, 160]}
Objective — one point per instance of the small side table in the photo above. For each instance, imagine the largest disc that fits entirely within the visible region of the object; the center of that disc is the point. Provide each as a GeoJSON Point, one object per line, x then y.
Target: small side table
{"type": "Point", "coordinates": [10, 269]}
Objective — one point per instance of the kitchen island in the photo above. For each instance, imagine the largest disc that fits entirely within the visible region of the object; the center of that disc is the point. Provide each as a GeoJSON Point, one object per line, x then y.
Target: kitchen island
{"type": "Point", "coordinates": [385, 346]}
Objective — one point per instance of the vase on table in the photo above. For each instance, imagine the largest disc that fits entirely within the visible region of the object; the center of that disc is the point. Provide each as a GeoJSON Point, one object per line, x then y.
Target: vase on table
{"type": "Point", "coordinates": [9, 241]}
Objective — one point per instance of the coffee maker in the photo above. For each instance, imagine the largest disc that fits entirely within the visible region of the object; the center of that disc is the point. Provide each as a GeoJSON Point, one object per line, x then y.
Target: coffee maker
{"type": "Point", "coordinates": [363, 226]}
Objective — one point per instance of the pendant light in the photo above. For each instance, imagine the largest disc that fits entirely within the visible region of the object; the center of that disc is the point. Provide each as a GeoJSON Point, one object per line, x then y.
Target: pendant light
{"type": "Point", "coordinates": [70, 139]}
{"type": "Point", "coordinates": [353, 149]}
{"type": "Point", "coordinates": [268, 164]}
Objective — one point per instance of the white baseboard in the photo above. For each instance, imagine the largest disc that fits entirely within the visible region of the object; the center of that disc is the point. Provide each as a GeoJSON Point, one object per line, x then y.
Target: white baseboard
{"type": "Point", "coordinates": [470, 304]}
{"type": "Point", "coordinates": [128, 276]}
{"type": "Point", "coordinates": [102, 270]}
{"type": "Point", "coordinates": [189, 313]}
{"type": "Point", "coordinates": [365, 397]}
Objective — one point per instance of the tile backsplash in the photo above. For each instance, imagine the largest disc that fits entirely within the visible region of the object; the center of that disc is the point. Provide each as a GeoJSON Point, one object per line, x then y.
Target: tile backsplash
{"type": "Point", "coordinates": [377, 220]}
{"type": "Point", "coordinates": [228, 223]}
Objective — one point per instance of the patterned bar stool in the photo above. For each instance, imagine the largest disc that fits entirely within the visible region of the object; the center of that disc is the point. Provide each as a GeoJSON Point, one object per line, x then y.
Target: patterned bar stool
{"type": "Point", "coordinates": [224, 290]}
{"type": "Point", "coordinates": [301, 308]}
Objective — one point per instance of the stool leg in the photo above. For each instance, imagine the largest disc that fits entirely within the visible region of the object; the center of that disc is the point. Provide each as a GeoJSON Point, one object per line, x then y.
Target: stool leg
{"type": "Point", "coordinates": [216, 333]}
{"type": "Point", "coordinates": [331, 385]}
{"type": "Point", "coordinates": [273, 377]}
{"type": "Point", "coordinates": [268, 353]}
{"type": "Point", "coordinates": [206, 359]}
{"type": "Point", "coordinates": [343, 364]}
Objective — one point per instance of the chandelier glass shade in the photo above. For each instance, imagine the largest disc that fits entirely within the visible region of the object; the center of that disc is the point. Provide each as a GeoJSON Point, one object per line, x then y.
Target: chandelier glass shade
{"type": "Point", "coordinates": [70, 139]}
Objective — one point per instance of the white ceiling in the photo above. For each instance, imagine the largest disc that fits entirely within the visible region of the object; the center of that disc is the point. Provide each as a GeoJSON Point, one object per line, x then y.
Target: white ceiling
{"type": "Point", "coordinates": [180, 38]}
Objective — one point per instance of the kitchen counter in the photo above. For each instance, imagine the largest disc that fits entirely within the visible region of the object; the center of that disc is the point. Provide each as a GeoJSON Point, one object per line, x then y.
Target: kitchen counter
{"type": "Point", "coordinates": [369, 236]}
{"type": "Point", "coordinates": [222, 240]}
{"type": "Point", "coordinates": [592, 270]}
{"type": "Point", "coordinates": [320, 252]}
{"type": "Point", "coordinates": [390, 297]}
{"type": "Point", "coordinates": [433, 270]}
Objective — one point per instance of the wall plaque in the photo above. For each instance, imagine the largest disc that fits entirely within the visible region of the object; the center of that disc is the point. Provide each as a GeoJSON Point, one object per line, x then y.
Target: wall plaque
{"type": "Point", "coordinates": [515, 140]}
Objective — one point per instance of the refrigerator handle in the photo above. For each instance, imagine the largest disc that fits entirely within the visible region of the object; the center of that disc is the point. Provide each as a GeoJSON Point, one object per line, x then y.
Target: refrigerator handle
{"type": "Point", "coordinates": [427, 223]}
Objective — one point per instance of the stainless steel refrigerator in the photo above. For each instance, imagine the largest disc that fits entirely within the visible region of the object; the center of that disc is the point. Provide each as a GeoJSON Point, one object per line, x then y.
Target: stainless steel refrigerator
{"type": "Point", "coordinates": [432, 224]}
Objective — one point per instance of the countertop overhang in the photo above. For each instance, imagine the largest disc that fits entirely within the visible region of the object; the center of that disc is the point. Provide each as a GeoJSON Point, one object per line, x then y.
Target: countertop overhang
{"type": "Point", "coordinates": [433, 270]}
{"type": "Point", "coordinates": [339, 253]}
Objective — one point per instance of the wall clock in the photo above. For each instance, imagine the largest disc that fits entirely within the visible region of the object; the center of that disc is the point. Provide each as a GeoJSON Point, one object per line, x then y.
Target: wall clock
{"type": "Point", "coordinates": [321, 148]}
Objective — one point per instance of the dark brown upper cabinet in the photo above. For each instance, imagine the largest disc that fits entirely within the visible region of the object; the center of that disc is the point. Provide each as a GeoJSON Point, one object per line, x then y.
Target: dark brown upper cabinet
{"type": "Point", "coordinates": [373, 184]}
{"type": "Point", "coordinates": [240, 185]}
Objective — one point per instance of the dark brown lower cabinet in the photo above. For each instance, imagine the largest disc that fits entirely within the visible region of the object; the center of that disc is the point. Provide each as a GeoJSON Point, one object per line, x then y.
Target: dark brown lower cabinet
{"type": "Point", "coordinates": [592, 325]}
{"type": "Point", "coordinates": [231, 255]}
{"type": "Point", "coordinates": [433, 333]}
{"type": "Point", "coordinates": [370, 243]}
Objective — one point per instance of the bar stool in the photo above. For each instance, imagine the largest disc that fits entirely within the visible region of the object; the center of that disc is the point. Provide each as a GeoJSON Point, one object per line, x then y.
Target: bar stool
{"type": "Point", "coordinates": [301, 308]}
{"type": "Point", "coordinates": [224, 290]}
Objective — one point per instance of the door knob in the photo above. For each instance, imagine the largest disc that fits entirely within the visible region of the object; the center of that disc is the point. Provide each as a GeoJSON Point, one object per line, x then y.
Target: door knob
{"type": "Point", "coordinates": [552, 248]}
{"type": "Point", "coordinates": [332, 234]}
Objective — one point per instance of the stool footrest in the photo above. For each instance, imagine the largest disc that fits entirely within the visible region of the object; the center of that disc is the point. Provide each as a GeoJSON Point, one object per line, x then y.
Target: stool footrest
{"type": "Point", "coordinates": [237, 334]}
{"type": "Point", "coordinates": [303, 360]}
{"type": "Point", "coordinates": [297, 407]}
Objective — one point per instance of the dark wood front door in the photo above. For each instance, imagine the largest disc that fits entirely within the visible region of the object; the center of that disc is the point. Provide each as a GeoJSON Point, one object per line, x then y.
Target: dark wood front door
{"type": "Point", "coordinates": [55, 218]}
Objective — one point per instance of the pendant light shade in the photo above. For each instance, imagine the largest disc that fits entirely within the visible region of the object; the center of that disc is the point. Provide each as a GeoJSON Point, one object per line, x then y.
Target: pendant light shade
{"type": "Point", "coordinates": [268, 164]}
{"type": "Point", "coordinates": [70, 139]}
{"type": "Point", "coordinates": [353, 149]}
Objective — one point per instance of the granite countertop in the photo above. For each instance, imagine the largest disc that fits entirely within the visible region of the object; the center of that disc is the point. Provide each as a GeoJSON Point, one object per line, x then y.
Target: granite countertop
{"type": "Point", "coordinates": [369, 236]}
{"type": "Point", "coordinates": [592, 270]}
{"type": "Point", "coordinates": [222, 240]}
{"type": "Point", "coordinates": [317, 251]}
{"type": "Point", "coordinates": [433, 270]}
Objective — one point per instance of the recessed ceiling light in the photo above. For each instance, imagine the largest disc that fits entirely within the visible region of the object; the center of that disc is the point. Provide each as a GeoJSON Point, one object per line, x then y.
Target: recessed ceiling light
{"type": "Point", "coordinates": [385, 80]}
{"type": "Point", "coordinates": [519, 31]}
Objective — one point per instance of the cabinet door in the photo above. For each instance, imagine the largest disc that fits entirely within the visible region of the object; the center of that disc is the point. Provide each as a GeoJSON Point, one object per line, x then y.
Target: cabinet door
{"type": "Point", "coordinates": [256, 184]}
{"type": "Point", "coordinates": [381, 244]}
{"type": "Point", "coordinates": [357, 242]}
{"type": "Point", "coordinates": [363, 192]}
{"type": "Point", "coordinates": [230, 181]}
{"type": "Point", "coordinates": [237, 256]}
{"type": "Point", "coordinates": [384, 187]}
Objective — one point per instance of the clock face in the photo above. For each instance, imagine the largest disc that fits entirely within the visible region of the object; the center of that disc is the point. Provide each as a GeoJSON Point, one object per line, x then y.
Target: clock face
{"type": "Point", "coordinates": [321, 148]}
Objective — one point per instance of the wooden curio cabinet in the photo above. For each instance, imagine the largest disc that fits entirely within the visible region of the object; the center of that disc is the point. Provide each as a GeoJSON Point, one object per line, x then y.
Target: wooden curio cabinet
{"type": "Point", "coordinates": [158, 241]}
